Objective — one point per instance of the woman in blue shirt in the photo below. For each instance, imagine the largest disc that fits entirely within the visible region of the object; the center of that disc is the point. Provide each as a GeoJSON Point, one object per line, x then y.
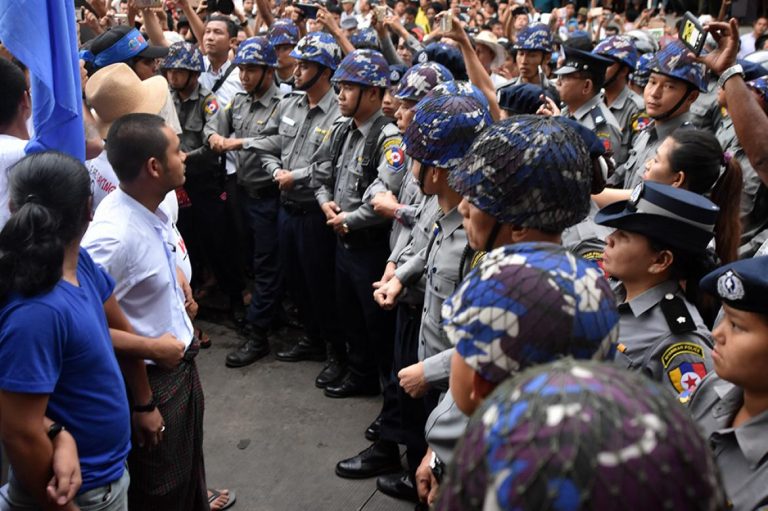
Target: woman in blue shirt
{"type": "Point", "coordinates": [56, 354]}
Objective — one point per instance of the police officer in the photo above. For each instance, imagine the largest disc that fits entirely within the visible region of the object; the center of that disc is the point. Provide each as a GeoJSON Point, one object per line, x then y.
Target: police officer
{"type": "Point", "coordinates": [624, 104]}
{"type": "Point", "coordinates": [579, 82]}
{"type": "Point", "coordinates": [661, 239]}
{"type": "Point", "coordinates": [641, 74]}
{"type": "Point", "coordinates": [674, 85]}
{"type": "Point", "coordinates": [729, 405]}
{"type": "Point", "coordinates": [287, 145]}
{"type": "Point", "coordinates": [207, 232]}
{"type": "Point", "coordinates": [360, 148]}
{"type": "Point", "coordinates": [246, 116]}
{"type": "Point", "coordinates": [283, 35]}
{"type": "Point", "coordinates": [532, 50]}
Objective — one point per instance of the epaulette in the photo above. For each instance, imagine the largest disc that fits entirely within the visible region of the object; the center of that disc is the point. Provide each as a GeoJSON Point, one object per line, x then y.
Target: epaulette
{"type": "Point", "coordinates": [676, 314]}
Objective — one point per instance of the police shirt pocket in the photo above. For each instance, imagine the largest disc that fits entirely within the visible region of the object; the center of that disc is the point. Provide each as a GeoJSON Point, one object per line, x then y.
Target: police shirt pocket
{"type": "Point", "coordinates": [238, 121]}
{"type": "Point", "coordinates": [624, 360]}
{"type": "Point", "coordinates": [194, 123]}
{"type": "Point", "coordinates": [287, 130]}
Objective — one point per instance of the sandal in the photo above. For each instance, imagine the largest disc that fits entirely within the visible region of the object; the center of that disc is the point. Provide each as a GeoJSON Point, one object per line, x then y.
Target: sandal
{"type": "Point", "coordinates": [214, 495]}
{"type": "Point", "coordinates": [202, 338]}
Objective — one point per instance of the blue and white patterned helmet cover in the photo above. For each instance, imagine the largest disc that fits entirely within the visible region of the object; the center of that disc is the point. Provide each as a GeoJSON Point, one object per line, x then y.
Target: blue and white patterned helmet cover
{"type": "Point", "coordinates": [184, 55]}
{"type": "Point", "coordinates": [363, 67]}
{"type": "Point", "coordinates": [420, 79]}
{"type": "Point", "coordinates": [256, 51]}
{"type": "Point", "coordinates": [320, 48]}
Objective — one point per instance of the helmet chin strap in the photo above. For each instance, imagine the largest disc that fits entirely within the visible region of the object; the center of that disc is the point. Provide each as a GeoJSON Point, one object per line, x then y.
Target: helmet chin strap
{"type": "Point", "coordinates": [314, 79]}
{"type": "Point", "coordinates": [261, 81]}
{"type": "Point", "coordinates": [359, 98]}
{"type": "Point", "coordinates": [422, 177]}
{"type": "Point", "coordinates": [613, 77]}
{"type": "Point", "coordinates": [668, 114]}
{"type": "Point", "coordinates": [491, 241]}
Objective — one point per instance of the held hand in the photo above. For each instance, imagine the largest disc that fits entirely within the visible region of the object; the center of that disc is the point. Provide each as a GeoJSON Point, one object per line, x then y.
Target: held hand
{"type": "Point", "coordinates": [337, 223]}
{"type": "Point", "coordinates": [216, 142]}
{"type": "Point", "coordinates": [386, 295]}
{"type": "Point", "coordinates": [67, 479]}
{"type": "Point", "coordinates": [330, 209]}
{"type": "Point", "coordinates": [148, 428]}
{"type": "Point", "coordinates": [385, 204]}
{"type": "Point", "coordinates": [169, 351]}
{"type": "Point", "coordinates": [412, 380]}
{"type": "Point", "coordinates": [457, 32]}
{"type": "Point", "coordinates": [389, 272]}
{"type": "Point", "coordinates": [425, 479]}
{"type": "Point", "coordinates": [727, 37]}
{"type": "Point", "coordinates": [284, 179]}
{"type": "Point", "coordinates": [327, 20]}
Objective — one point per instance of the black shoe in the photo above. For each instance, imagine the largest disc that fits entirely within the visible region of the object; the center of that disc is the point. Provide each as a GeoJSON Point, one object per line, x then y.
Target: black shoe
{"type": "Point", "coordinates": [302, 350]}
{"type": "Point", "coordinates": [256, 347]}
{"type": "Point", "coordinates": [399, 486]}
{"type": "Point", "coordinates": [373, 430]}
{"type": "Point", "coordinates": [333, 371]}
{"type": "Point", "coordinates": [380, 458]}
{"type": "Point", "coordinates": [351, 385]}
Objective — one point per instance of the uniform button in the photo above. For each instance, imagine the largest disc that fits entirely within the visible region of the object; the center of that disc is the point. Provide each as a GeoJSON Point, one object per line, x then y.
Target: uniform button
{"type": "Point", "coordinates": [669, 296]}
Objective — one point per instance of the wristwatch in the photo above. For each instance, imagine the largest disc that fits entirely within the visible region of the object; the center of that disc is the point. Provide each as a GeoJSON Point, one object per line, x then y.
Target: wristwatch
{"type": "Point", "coordinates": [54, 430]}
{"type": "Point", "coordinates": [345, 227]}
{"type": "Point", "coordinates": [149, 407]}
{"type": "Point", "coordinates": [729, 73]}
{"type": "Point", "coordinates": [437, 467]}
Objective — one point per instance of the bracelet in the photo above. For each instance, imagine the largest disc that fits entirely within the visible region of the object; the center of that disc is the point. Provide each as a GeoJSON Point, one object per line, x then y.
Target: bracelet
{"type": "Point", "coordinates": [729, 73]}
{"type": "Point", "coordinates": [149, 407]}
{"type": "Point", "coordinates": [54, 430]}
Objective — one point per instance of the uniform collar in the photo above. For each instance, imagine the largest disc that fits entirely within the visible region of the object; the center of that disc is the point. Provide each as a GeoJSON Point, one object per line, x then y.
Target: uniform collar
{"type": "Point", "coordinates": [667, 127]}
{"type": "Point", "coordinates": [192, 97]}
{"type": "Point", "coordinates": [750, 435]}
{"type": "Point", "coordinates": [621, 99]}
{"type": "Point", "coordinates": [451, 222]}
{"type": "Point", "coordinates": [587, 107]}
{"type": "Point", "coordinates": [266, 99]}
{"type": "Point", "coordinates": [650, 298]}
{"type": "Point", "coordinates": [325, 104]}
{"type": "Point", "coordinates": [366, 126]}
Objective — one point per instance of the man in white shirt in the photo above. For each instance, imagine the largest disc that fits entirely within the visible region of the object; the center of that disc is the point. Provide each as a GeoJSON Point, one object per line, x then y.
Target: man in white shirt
{"type": "Point", "coordinates": [15, 109]}
{"type": "Point", "coordinates": [748, 40]}
{"type": "Point", "coordinates": [131, 236]}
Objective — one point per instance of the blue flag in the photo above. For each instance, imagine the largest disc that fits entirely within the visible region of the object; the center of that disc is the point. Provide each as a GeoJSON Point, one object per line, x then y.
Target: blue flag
{"type": "Point", "coordinates": [42, 35]}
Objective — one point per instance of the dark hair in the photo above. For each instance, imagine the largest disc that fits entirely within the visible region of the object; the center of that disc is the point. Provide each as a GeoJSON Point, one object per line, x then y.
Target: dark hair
{"type": "Point", "coordinates": [231, 26]}
{"type": "Point", "coordinates": [12, 88]}
{"type": "Point", "coordinates": [699, 155]}
{"type": "Point", "coordinates": [132, 140]}
{"type": "Point", "coordinates": [49, 195]}
{"type": "Point", "coordinates": [760, 42]}
{"type": "Point", "coordinates": [411, 11]}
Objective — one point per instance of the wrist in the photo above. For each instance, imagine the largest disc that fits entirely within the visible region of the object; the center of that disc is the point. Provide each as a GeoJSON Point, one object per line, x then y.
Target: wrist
{"type": "Point", "coordinates": [729, 73]}
{"type": "Point", "coordinates": [146, 407]}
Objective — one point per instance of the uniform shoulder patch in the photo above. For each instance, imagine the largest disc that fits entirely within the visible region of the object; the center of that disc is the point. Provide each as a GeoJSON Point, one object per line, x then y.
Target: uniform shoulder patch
{"type": "Point", "coordinates": [211, 105]}
{"type": "Point", "coordinates": [640, 121]}
{"type": "Point", "coordinates": [394, 154]}
{"type": "Point", "coordinates": [390, 130]}
{"type": "Point", "coordinates": [680, 348]}
{"type": "Point", "coordinates": [687, 376]}
{"type": "Point", "coordinates": [605, 139]}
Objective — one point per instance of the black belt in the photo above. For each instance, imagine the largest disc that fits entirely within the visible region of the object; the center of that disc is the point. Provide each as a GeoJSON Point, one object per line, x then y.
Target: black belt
{"type": "Point", "coordinates": [296, 208]}
{"type": "Point", "coordinates": [266, 192]}
{"type": "Point", "coordinates": [366, 238]}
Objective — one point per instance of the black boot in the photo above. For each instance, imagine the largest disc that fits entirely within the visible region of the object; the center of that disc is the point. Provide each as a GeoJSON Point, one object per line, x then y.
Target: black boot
{"type": "Point", "coordinates": [302, 350]}
{"type": "Point", "coordinates": [399, 486]}
{"type": "Point", "coordinates": [334, 369]}
{"type": "Point", "coordinates": [381, 457]}
{"type": "Point", "coordinates": [254, 348]}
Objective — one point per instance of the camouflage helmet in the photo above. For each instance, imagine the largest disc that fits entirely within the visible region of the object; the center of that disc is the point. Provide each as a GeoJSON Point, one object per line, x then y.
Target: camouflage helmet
{"type": "Point", "coordinates": [282, 32]}
{"type": "Point", "coordinates": [643, 69]}
{"type": "Point", "coordinates": [459, 88]}
{"type": "Point", "coordinates": [256, 51]}
{"type": "Point", "coordinates": [184, 55]}
{"type": "Point", "coordinates": [674, 61]}
{"type": "Point", "coordinates": [528, 171]}
{"type": "Point", "coordinates": [586, 435]}
{"type": "Point", "coordinates": [420, 79]}
{"type": "Point", "coordinates": [444, 127]}
{"type": "Point", "coordinates": [534, 37]}
{"type": "Point", "coordinates": [444, 54]}
{"type": "Point", "coordinates": [760, 86]}
{"type": "Point", "coordinates": [527, 304]}
{"type": "Point", "coordinates": [363, 67]}
{"type": "Point", "coordinates": [396, 73]}
{"type": "Point", "coordinates": [620, 49]}
{"type": "Point", "coordinates": [365, 39]}
{"type": "Point", "coordinates": [320, 48]}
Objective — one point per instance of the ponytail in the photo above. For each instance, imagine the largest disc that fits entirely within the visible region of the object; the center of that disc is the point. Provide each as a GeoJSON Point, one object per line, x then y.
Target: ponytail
{"type": "Point", "coordinates": [49, 200]}
{"type": "Point", "coordinates": [727, 195]}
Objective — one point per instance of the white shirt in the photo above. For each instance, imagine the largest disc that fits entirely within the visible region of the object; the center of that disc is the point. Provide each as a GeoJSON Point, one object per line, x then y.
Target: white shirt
{"type": "Point", "coordinates": [11, 151]}
{"type": "Point", "coordinates": [136, 247]}
{"type": "Point", "coordinates": [224, 95]}
{"type": "Point", "coordinates": [103, 178]}
{"type": "Point", "coordinates": [747, 44]}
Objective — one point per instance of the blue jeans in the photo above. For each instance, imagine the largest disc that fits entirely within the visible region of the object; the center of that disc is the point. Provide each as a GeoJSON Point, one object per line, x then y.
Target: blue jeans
{"type": "Point", "coordinates": [110, 497]}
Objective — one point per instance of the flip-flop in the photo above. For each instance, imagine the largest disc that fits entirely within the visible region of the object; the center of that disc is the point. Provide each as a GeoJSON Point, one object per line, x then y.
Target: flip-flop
{"type": "Point", "coordinates": [215, 494]}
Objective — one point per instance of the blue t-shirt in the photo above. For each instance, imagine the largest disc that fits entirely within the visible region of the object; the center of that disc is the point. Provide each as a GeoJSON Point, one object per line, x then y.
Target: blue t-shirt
{"type": "Point", "coordinates": [59, 344]}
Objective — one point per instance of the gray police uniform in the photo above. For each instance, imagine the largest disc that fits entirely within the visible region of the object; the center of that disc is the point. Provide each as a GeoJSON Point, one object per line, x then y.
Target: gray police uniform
{"type": "Point", "coordinates": [246, 116]}
{"type": "Point", "coordinates": [663, 336]}
{"type": "Point", "coordinates": [595, 116]}
{"type": "Point", "coordinates": [626, 107]}
{"type": "Point", "coordinates": [742, 452]}
{"type": "Point", "coordinates": [362, 252]}
{"type": "Point", "coordinates": [705, 111]}
{"type": "Point", "coordinates": [587, 239]}
{"type": "Point", "coordinates": [409, 197]}
{"type": "Point", "coordinates": [289, 141]}
{"type": "Point", "coordinates": [754, 195]}
{"type": "Point", "coordinates": [630, 174]}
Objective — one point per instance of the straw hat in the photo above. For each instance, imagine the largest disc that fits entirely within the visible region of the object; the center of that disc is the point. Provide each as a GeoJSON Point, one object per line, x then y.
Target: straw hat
{"type": "Point", "coordinates": [115, 91]}
{"type": "Point", "coordinates": [489, 39]}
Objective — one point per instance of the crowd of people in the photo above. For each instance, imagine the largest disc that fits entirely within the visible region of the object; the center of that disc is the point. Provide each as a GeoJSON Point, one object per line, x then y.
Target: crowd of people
{"type": "Point", "coordinates": [539, 232]}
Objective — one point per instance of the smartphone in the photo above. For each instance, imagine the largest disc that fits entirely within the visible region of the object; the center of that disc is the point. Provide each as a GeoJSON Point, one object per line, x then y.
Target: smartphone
{"type": "Point", "coordinates": [381, 12]}
{"type": "Point", "coordinates": [309, 10]}
{"type": "Point", "coordinates": [446, 23]}
{"type": "Point", "coordinates": [80, 14]}
{"type": "Point", "coordinates": [146, 4]}
{"type": "Point", "coordinates": [595, 12]}
{"type": "Point", "coordinates": [692, 34]}
{"type": "Point", "coordinates": [121, 19]}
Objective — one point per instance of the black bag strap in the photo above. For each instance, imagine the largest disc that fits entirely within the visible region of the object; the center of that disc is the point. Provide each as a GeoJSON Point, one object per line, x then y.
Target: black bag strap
{"type": "Point", "coordinates": [223, 78]}
{"type": "Point", "coordinates": [372, 149]}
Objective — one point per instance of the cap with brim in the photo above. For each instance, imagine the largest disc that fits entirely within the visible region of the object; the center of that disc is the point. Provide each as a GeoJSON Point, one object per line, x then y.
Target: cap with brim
{"type": "Point", "coordinates": [742, 284]}
{"type": "Point", "coordinates": [678, 218]}
{"type": "Point", "coordinates": [121, 44]}
{"type": "Point", "coordinates": [582, 61]}
{"type": "Point", "coordinates": [115, 91]}
{"type": "Point", "coordinates": [349, 23]}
